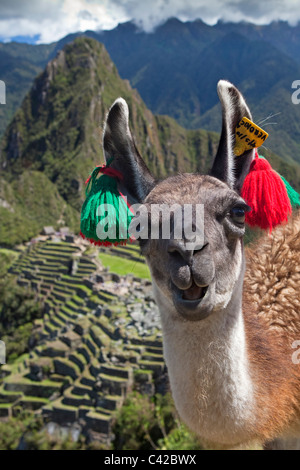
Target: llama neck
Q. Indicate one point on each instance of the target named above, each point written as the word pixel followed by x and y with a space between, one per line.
pixel 209 370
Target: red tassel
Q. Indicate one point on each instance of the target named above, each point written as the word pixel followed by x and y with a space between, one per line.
pixel 106 170
pixel 107 244
pixel 266 194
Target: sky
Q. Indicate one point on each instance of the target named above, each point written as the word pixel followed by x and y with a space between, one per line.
pixel 45 21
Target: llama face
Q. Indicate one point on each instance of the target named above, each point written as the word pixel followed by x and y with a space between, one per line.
pixel 193 282
pixel 197 281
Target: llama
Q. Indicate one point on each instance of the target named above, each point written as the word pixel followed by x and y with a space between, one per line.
pixel 228 331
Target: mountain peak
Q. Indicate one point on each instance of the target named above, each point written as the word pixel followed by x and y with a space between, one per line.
pixel 127 27
pixel 57 108
pixel 172 25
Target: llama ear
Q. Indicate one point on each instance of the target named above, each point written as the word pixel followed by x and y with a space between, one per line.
pixel 227 167
pixel 120 150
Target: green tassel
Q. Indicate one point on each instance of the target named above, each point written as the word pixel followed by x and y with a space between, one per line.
pixel 113 222
pixel 293 195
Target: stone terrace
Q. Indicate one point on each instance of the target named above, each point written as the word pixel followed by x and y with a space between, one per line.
pixel 98 339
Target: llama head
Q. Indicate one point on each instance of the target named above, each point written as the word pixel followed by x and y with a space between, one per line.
pixel 192 278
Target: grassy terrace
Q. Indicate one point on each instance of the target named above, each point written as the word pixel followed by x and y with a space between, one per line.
pixel 124 266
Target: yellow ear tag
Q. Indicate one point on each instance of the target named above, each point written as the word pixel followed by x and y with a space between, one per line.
pixel 248 136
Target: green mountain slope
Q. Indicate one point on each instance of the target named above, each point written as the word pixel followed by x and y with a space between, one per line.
pixel 19 65
pixel 29 203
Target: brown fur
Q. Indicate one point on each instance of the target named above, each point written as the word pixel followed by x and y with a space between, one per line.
pixel 272 319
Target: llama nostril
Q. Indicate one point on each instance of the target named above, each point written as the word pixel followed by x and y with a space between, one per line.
pixel 177 249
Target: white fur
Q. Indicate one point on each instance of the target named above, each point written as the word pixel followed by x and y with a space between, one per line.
pixel 223 294
pixel 208 370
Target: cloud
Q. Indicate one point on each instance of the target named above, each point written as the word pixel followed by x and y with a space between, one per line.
pixel 149 14
pixel 35 9
pixel 51 20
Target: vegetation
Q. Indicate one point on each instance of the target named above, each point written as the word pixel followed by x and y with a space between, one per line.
pixel 18 305
pixel 7 257
pixel 18 309
pixel 123 266
pixel 27 432
pixel 34 202
pixel 145 423
pixel 12 431
pixel 19 65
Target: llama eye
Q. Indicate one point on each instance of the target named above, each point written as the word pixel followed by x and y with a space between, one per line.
pixel 238 215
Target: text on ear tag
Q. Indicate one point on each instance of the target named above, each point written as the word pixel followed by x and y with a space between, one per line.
pixel 248 136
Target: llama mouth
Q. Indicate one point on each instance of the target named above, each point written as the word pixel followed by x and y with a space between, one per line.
pixel 195 303
pixel 194 292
